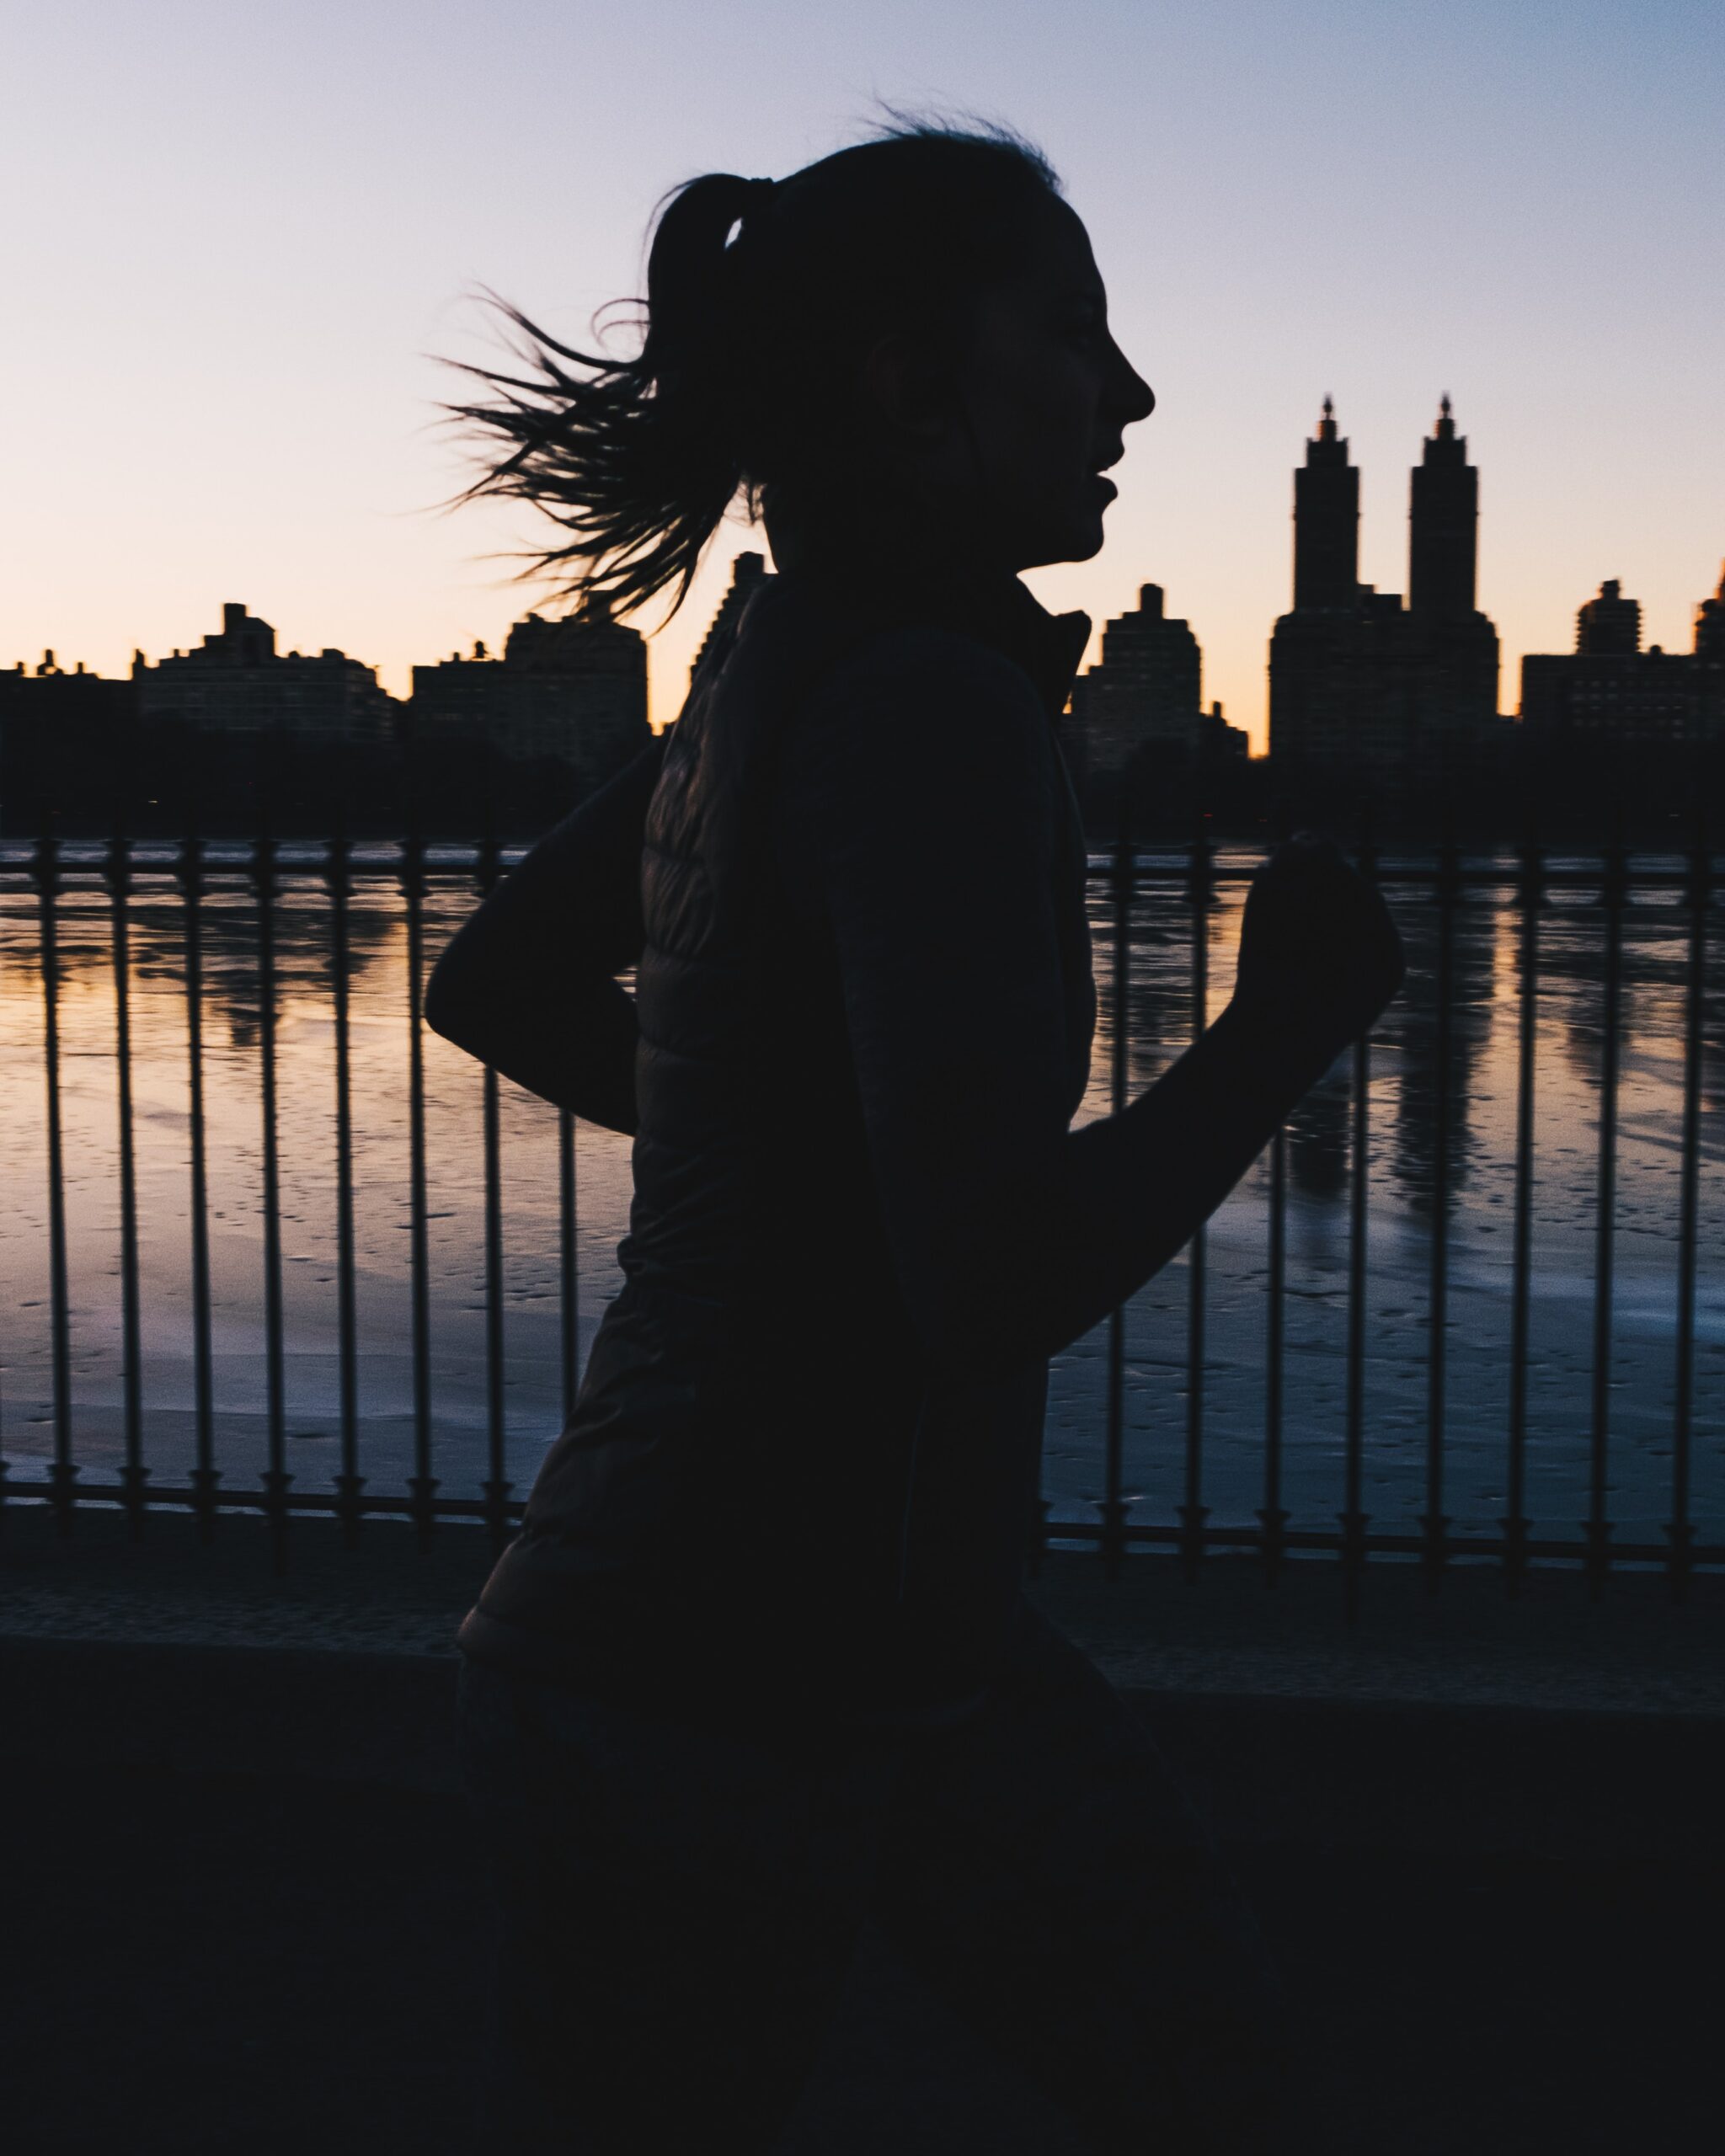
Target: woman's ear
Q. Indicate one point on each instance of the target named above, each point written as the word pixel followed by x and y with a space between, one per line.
pixel 907 389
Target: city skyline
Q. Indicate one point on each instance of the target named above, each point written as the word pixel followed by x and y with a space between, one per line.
pixel 1437 583
pixel 250 238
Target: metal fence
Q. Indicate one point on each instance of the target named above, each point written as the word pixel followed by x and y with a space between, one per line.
pixel 47 870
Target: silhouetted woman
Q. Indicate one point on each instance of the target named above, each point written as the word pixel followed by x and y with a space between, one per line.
pixel 760 1660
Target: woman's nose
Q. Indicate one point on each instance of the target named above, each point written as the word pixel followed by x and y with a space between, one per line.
pixel 1130 393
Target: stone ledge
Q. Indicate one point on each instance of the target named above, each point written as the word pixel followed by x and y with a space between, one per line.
pixel 1150 1629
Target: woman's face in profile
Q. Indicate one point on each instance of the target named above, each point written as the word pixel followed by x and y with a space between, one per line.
pixel 1044 397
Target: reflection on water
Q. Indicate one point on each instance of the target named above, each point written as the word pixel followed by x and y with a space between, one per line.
pixel 1478 1051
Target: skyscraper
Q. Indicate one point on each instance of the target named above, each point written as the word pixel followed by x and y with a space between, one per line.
pixel 1443 515
pixel 1325 522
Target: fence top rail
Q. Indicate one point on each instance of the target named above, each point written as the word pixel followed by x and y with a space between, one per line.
pixel 92 860
pixel 24 862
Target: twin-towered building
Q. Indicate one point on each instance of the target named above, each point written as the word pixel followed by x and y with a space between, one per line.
pixel 1359 678
pixel 1362 683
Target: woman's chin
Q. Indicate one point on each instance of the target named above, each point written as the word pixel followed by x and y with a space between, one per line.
pixel 1087 537
pixel 1079 541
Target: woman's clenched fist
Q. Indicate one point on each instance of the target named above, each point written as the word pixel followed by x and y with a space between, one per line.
pixel 1319 954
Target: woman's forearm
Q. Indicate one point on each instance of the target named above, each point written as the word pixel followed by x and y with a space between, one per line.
pixel 1048 1244
pixel 576 1049
pixel 1134 1187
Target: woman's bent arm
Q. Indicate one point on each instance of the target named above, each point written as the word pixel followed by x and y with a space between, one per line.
pixel 921 811
pixel 528 983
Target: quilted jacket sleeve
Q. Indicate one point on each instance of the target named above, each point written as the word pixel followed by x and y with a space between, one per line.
pixel 529 982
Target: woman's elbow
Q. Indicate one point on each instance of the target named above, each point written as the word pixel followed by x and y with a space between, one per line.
pixel 454 1003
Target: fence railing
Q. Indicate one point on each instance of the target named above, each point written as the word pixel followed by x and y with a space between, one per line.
pixel 48 873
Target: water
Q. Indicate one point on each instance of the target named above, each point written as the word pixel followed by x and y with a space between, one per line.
pixel 1483 1079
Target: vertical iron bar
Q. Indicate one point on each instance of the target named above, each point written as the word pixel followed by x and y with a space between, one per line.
pixel 1433 1521
pixel 5 1463
pixel 1598 1526
pixel 422 1485
pixel 206 1475
pixel 63 1475
pixel 1353 1517
pixel 349 1483
pixel 1272 1514
pixel 276 1477
pixel 1113 1505
pixel 135 1474
pixel 496 1486
pixel 1193 1511
pixel 571 1281
pixel 1517 1526
pixel 1681 1528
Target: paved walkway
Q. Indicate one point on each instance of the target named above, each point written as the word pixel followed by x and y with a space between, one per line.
pixel 242 1914
pixel 1151 1629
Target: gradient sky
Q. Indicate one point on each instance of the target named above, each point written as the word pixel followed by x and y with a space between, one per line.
pixel 235 236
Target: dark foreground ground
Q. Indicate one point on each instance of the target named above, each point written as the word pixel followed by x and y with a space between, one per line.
pixel 211 1963
pixel 243 1912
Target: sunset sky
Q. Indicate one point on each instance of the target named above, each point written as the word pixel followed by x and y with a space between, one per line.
pixel 236 238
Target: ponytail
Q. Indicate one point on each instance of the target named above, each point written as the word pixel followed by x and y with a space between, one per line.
pixel 635 460
pixel 756 291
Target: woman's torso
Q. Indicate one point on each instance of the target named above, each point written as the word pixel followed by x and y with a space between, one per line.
pixel 766 1485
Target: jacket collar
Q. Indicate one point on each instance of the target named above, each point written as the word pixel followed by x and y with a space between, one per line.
pixel 998 610
pixel 1049 647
